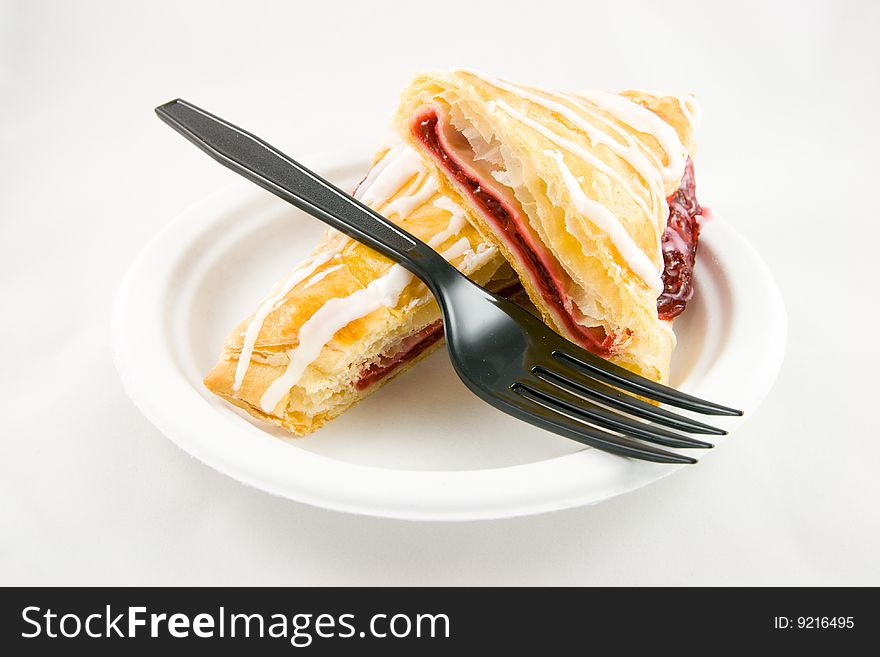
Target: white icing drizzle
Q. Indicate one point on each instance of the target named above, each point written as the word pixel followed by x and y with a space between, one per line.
pixel 575 149
pixel 474 260
pixel 425 187
pixel 579 151
pixel 458 249
pixel 471 260
pixel 320 328
pixel 320 276
pixel 377 169
pixel 631 152
pixel 605 220
pixel 388 175
pixel 398 165
pixel 643 120
pixel 663 173
pixel 253 329
pixel 456 221
pixel 643 160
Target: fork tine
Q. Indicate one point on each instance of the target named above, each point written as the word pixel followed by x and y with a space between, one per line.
pixel 532 409
pixel 592 365
pixel 605 394
pixel 604 419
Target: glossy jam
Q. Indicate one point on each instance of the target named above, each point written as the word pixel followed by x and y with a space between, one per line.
pixel 426 128
pixel 409 348
pixel 680 241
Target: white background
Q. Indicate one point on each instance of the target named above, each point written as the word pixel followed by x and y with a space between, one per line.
pixel 91 493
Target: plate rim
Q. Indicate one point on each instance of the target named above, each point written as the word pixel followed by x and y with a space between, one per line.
pixel 132 340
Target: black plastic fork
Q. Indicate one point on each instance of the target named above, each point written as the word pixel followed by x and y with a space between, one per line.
pixel 503 353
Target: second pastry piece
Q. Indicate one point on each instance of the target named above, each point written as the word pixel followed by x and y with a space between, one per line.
pixel 573 189
pixel 348 319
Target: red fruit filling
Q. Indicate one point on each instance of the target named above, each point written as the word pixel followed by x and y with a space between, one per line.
pixel 680 247
pixel 679 239
pixel 410 347
pixel 545 277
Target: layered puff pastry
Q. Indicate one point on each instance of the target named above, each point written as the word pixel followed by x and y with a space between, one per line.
pixel 348 319
pixel 589 196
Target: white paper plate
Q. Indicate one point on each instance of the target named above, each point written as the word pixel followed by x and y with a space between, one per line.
pixel 422 447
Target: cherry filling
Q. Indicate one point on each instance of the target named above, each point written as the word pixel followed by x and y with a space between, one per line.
pixel 410 347
pixel 426 128
pixel 679 240
pixel 680 247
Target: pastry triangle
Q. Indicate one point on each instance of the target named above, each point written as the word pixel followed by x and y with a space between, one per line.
pixel 588 195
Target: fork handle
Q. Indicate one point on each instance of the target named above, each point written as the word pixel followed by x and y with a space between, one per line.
pixel 271 169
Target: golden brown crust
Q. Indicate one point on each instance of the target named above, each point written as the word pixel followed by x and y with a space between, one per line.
pixel 339 268
pixel 297 421
pixel 681 112
pixel 529 145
